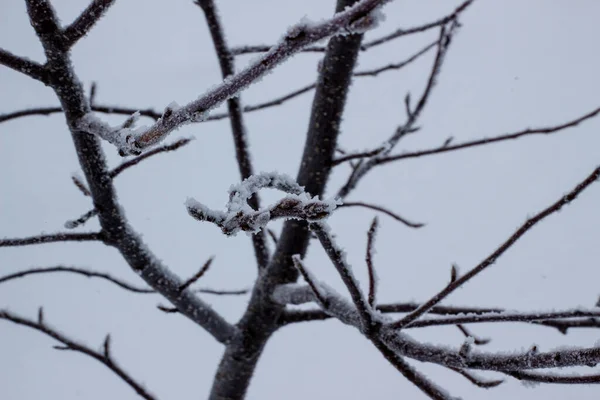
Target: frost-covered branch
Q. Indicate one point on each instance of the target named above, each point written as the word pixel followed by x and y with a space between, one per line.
pixel 24 66
pixel 105 356
pixel 239 216
pixel 53 238
pixel 236 118
pixel 240 50
pixel 299 36
pixel 491 259
pixel 555 378
pixel 115 227
pixel 85 21
pixel 373 279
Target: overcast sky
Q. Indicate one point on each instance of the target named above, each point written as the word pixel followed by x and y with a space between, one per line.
pixel 514 64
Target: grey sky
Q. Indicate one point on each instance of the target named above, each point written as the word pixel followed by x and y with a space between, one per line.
pixel 513 65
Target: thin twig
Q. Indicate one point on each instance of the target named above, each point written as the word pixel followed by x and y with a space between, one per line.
pixel 376 71
pixel 477 381
pixel 369 260
pixel 78 182
pixel 52 238
pixel 482 142
pixel 468 334
pixel 197 275
pixel 85 21
pixel 550 378
pixel 491 259
pixel 161 149
pixel 74 223
pixel 309 280
pixel 383 210
pixel 70 344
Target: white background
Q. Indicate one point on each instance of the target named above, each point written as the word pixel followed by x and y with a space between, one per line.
pixel 513 65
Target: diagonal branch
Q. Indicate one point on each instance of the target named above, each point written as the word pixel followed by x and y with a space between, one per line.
pixel 85 21
pixel 491 259
pixel 236 118
pixel 482 142
pixel 553 378
pixel 53 238
pixel 24 66
pixel 297 37
pixel 104 357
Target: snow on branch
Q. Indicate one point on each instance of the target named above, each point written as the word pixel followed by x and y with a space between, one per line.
pixel 239 216
pixel 297 37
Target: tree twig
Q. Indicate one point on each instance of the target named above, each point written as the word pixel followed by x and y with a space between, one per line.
pixel 53 238
pixel 491 259
pixel 369 260
pixel 24 66
pixel 70 344
pixel 197 275
pixel 382 210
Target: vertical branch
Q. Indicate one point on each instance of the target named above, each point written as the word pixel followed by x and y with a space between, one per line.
pixel 261 317
pixel 369 260
pixel 240 137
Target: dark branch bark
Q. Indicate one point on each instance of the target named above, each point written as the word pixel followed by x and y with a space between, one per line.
pixel 53 238
pixel 236 118
pixel 261 317
pixel 86 20
pixel 24 66
pixel 112 220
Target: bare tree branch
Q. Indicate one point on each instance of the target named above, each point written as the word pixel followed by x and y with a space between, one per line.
pixel 551 378
pixel 369 260
pixel 486 141
pixel 367 45
pixel 122 284
pixel 70 344
pixel 24 66
pixel 85 21
pixel 383 210
pixel 197 275
pixel 53 238
pixel 491 259
pixel 157 150
pixel 395 66
pixel 477 381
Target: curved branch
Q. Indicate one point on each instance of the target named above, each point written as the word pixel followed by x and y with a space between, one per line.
pixel 383 210
pixel 53 238
pixel 120 283
pixel 551 378
pixel 70 344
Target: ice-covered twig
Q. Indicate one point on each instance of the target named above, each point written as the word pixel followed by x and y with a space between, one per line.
pixel 298 37
pixel 197 275
pixel 491 259
pixel 476 380
pixel 103 357
pixel 239 216
pixel 554 378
